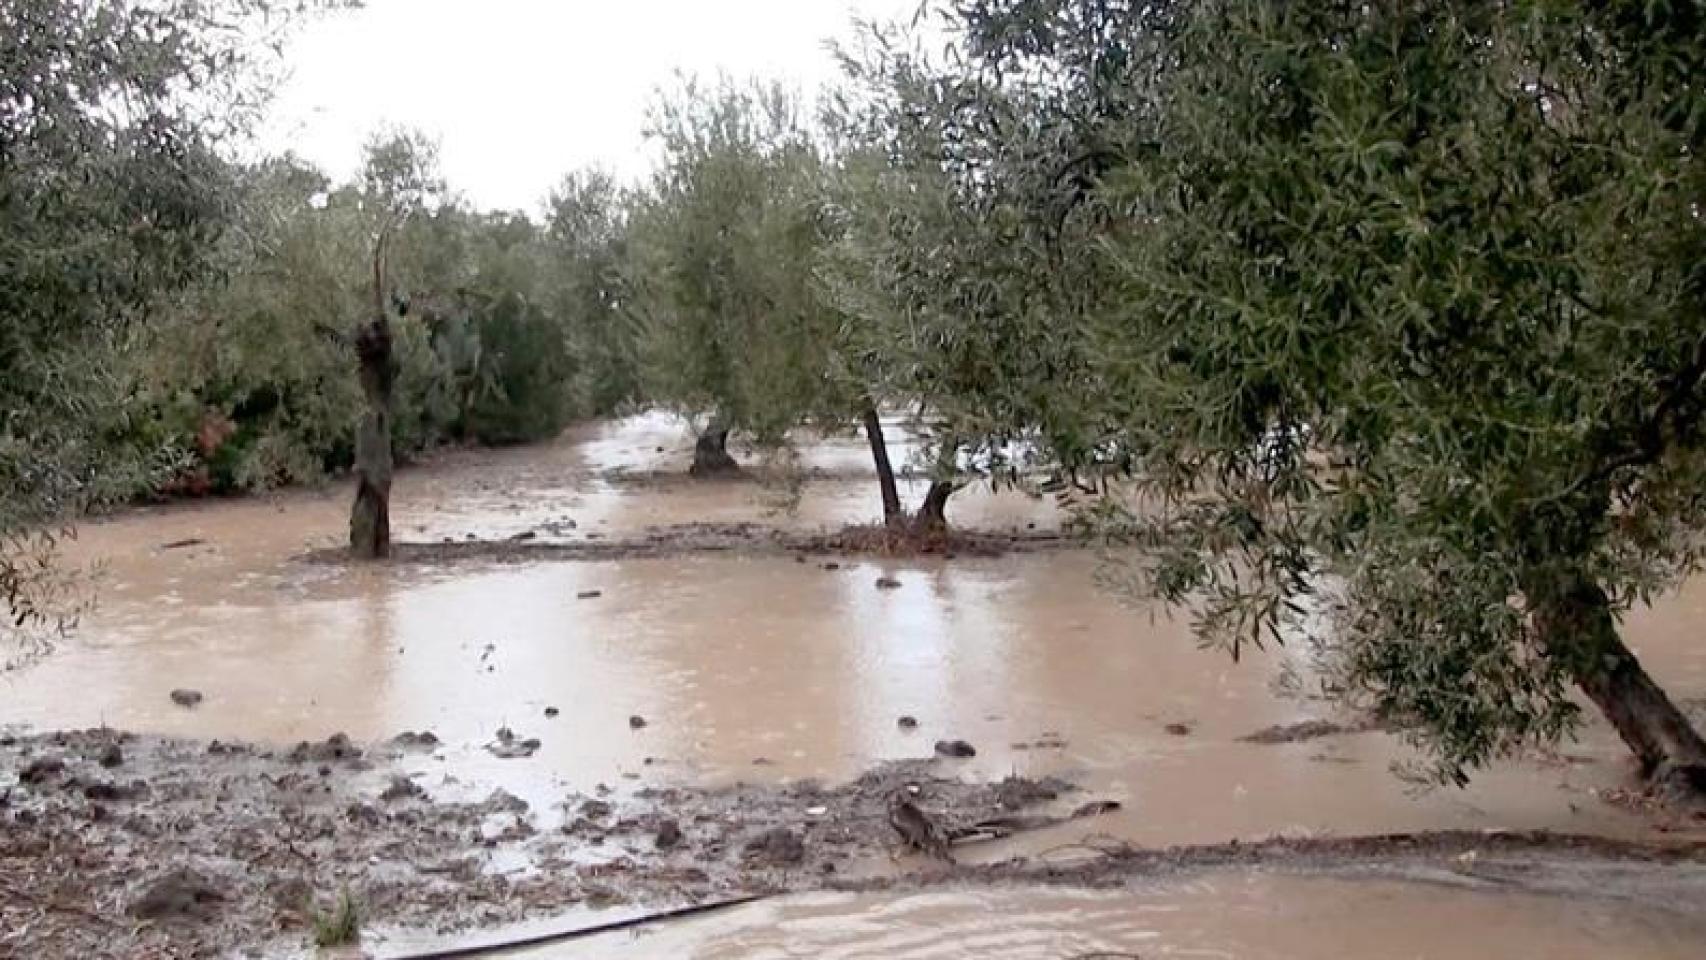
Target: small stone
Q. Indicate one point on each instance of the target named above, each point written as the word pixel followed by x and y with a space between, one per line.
pixel 636 722
pixel 958 749
pixel 1178 729
pixel 888 583
pixel 668 835
pixel 551 711
pixel 907 723
pixel 832 565
pixel 186 698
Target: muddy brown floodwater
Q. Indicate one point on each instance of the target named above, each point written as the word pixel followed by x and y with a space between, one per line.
pixel 767 668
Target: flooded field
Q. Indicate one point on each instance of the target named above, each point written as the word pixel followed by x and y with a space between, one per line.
pixel 769 669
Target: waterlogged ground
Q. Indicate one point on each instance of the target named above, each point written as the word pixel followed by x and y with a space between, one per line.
pixel 766 666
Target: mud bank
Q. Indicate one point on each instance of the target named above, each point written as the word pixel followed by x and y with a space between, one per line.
pixel 740 539
pixel 117 845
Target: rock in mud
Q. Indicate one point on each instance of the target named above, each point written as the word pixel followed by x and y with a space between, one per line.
pixel 41 770
pixel 111 755
pixel 668 836
pixel 888 583
pixel 179 895
pixel 1178 729
pixel 958 749
pixel 636 722
pixel 777 846
pixel 907 723
pixel 510 747
pixel 116 792
pixel 186 698
pixel 335 748
pixel 402 788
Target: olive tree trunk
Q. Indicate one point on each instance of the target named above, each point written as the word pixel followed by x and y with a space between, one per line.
pixel 932 515
pixel 1578 629
pixel 711 453
pixel 370 516
pixel 892 511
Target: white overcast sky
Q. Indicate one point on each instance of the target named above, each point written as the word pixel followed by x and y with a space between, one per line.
pixel 519 92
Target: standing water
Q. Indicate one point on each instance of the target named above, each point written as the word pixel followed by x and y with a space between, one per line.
pixel 767 668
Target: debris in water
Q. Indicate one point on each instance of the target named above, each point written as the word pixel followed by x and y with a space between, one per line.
pixel 186 698
pixel 955 748
pixel 1303 730
pixel 409 740
pixel 1096 808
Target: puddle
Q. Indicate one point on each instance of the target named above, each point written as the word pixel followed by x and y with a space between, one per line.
pixel 1270 917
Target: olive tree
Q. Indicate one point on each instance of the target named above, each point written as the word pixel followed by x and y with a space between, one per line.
pixel 964 255
pixel 720 268
pixel 1408 350
pixel 399 179
pixel 110 193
